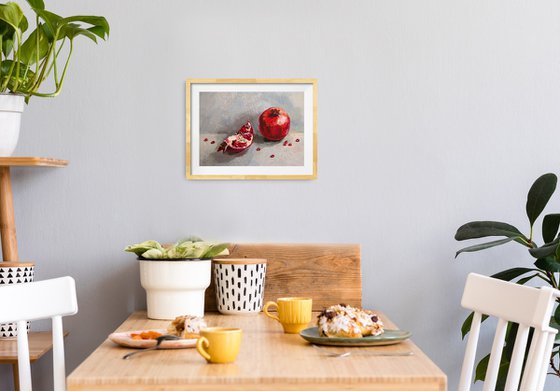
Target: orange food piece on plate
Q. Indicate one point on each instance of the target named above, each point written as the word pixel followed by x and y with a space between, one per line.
pixel 145 335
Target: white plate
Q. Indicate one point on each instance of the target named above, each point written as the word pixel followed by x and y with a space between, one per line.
pixel 125 339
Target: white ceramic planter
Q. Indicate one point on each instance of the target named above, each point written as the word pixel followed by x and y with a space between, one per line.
pixel 175 287
pixel 11 107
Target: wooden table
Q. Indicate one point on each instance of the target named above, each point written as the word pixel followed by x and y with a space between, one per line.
pixel 269 359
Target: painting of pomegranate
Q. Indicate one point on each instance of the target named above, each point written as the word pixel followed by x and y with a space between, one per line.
pixel 251 128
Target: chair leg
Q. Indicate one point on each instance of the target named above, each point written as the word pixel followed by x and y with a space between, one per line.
pixel 15 375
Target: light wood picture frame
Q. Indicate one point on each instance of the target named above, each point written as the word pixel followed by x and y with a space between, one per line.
pixel 251 129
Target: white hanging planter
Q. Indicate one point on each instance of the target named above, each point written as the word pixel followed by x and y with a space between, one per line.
pixel 176 287
pixel 11 107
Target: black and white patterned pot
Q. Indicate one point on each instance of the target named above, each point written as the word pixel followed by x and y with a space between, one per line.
pixel 14 273
pixel 239 285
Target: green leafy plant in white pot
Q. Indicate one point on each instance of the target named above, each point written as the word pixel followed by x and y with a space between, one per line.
pixel 176 277
pixel 30 57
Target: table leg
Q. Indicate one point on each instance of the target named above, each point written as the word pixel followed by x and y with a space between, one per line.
pixel 15 374
pixel 7 219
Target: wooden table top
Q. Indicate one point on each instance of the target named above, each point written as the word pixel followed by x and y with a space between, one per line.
pixel 268 359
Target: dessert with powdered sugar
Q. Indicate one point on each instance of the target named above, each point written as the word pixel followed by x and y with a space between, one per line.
pixel 342 320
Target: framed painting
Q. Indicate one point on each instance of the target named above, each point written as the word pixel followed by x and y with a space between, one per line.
pixel 251 129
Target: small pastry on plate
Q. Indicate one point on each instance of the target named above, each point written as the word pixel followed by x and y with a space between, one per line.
pixel 186 326
pixel 342 320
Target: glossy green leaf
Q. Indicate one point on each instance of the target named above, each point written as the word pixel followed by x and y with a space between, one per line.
pixel 483 246
pixel 52 23
pixel 101 24
pixel 550 226
pixel 39 4
pixel 556 318
pixel 467 323
pixel 539 195
pixel 523 281
pixel 545 251
pixel 481 229
pixel 72 30
pixel 29 47
pixel 510 274
pixel 550 264
pixel 12 14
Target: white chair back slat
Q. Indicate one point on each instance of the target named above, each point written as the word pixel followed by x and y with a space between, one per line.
pixel 509 302
pixel 545 362
pixel 495 356
pixel 59 371
pixel 470 353
pixel 514 373
pixel 53 299
pixel 24 365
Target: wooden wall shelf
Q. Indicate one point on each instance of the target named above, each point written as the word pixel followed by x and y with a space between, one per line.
pixel 7 219
pixel 32 161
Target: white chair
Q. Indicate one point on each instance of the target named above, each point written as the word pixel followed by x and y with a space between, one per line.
pixel 510 302
pixel 39 300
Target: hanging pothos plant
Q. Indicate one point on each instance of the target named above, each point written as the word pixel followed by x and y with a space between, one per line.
pixel 545 266
pixel 28 58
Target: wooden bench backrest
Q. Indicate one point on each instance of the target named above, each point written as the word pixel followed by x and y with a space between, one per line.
pixel 328 273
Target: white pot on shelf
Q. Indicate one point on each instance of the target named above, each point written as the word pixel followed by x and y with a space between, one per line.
pixel 175 287
pixel 11 107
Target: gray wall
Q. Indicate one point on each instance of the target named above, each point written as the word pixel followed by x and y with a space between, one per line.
pixel 431 114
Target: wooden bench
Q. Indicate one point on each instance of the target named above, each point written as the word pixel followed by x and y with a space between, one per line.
pixel 328 273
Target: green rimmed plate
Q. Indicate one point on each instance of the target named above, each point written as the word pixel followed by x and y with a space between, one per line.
pixel 389 337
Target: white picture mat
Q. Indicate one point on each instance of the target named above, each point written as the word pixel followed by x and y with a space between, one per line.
pixel 309 142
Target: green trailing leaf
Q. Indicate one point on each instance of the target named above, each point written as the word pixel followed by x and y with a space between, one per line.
pixel 37 42
pixel 556 319
pixel 546 250
pixel 12 14
pixel 72 30
pixel 98 22
pixel 39 4
pixel 549 264
pixel 539 195
pixel 550 226
pixel 481 229
pixel 483 246
pixel 42 48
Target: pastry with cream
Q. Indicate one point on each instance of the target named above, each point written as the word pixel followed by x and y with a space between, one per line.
pixel 342 320
pixel 187 326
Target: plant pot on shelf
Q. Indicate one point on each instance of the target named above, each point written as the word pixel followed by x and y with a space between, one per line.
pixel 175 287
pixel 14 273
pixel 11 107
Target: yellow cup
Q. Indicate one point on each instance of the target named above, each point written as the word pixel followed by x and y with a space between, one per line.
pixel 294 313
pixel 219 345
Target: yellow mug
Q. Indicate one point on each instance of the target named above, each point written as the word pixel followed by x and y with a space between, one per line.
pixel 294 313
pixel 219 345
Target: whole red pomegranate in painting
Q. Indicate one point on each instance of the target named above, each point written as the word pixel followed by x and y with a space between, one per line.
pixel 274 123
pixel 239 141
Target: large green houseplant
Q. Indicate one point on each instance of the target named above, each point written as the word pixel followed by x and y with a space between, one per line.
pixel 30 57
pixel 545 263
